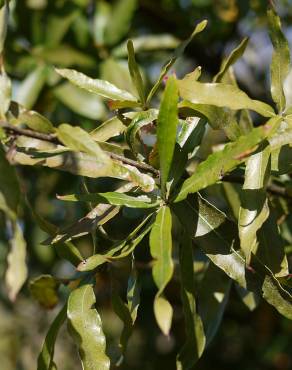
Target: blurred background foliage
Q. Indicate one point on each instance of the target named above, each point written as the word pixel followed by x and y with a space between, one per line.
pixel 90 36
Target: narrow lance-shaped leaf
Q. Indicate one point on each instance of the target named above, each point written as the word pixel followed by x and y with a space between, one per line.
pixel 167 130
pixel 195 336
pixel 116 199
pixel 222 162
pixel 280 60
pixel 100 87
pixel 177 53
pixel 77 139
pixel 135 72
pixel 162 271
pixel 9 187
pixel 120 250
pixel 254 208
pixel 119 21
pixel 28 91
pixel 46 356
pixel 5 93
pixel 4 15
pixel 217 237
pixel 85 327
pixel 221 95
pixel 35 121
pixel 218 118
pixel 16 273
pixel 231 59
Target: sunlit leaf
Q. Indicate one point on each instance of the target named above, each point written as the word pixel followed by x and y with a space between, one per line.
pixel 116 199
pixel 85 327
pixel 222 162
pixel 135 72
pixel 221 95
pixel 4 15
pixel 231 59
pixel 280 60
pixel 28 91
pixel 16 272
pixel 19 115
pixel 177 53
pixel 166 130
pixel 80 101
pixel 100 87
pixel 148 43
pixel 5 92
pixel 77 139
pixel 218 118
pixel 121 249
pixel 254 208
pixel 162 271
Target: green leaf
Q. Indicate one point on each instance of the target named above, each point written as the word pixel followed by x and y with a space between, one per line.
pixel 100 87
pixel 195 336
pixel 280 60
pixel 231 59
pixel 122 311
pixel 221 95
pixel 222 162
pixel 135 72
pixel 134 136
pixel 100 21
pixel 116 199
pixel 77 139
pixel 4 16
pixel 63 56
pixel 67 251
pixel 44 290
pixel 218 118
pixel 177 53
pixel 123 248
pixel 166 130
pixel 46 356
pixel 162 271
pixel 148 43
pixel 58 26
pixel 29 90
pixel 133 295
pixel 5 92
pixel 120 21
pixel 39 152
pixel 80 101
pixel 117 73
pixel 271 247
pixel 217 237
pixel 16 272
pixel 19 115
pixel 213 297
pixel 85 327
pixel 9 187
pixel 254 209
pixel 108 129
pixel 250 299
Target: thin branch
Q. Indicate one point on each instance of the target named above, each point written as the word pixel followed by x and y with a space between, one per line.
pixel 52 138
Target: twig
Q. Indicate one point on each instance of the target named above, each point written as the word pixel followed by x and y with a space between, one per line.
pixel 29 133
pixel 52 138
